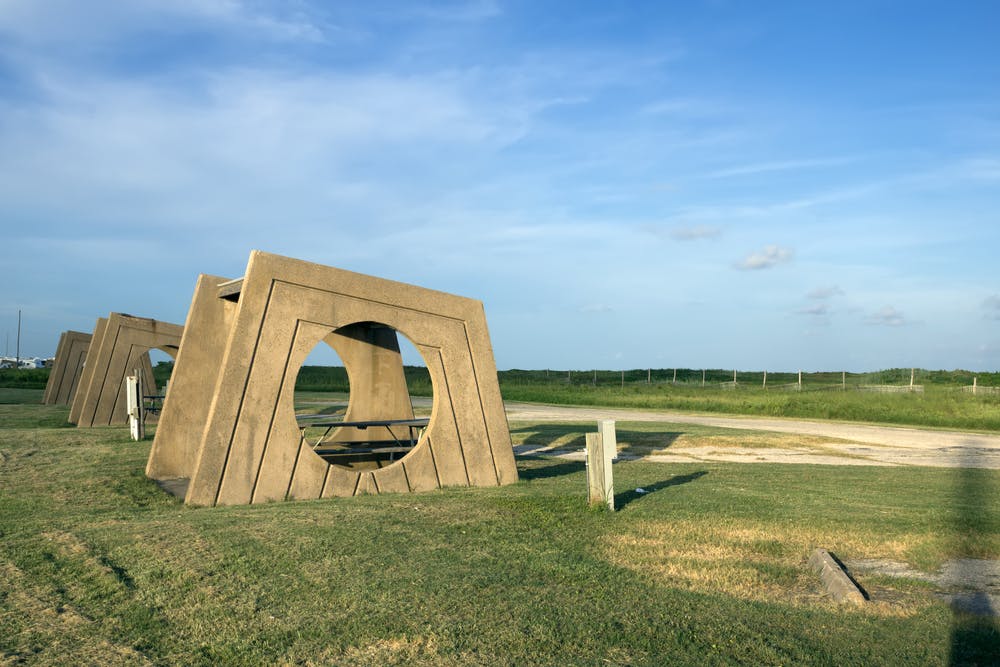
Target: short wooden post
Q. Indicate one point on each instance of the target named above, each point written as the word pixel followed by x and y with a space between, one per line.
pixel 912 373
pixel 703 377
pixel 595 377
pixel 734 376
pixel 133 395
pixel 649 376
pixel 843 380
pixel 800 379
pixel 974 378
pixel 675 377
pixel 601 449
pixel 623 379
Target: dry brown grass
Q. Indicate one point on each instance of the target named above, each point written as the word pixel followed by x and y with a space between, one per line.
pixel 751 562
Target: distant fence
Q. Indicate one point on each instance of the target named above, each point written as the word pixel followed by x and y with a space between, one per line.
pixel 973 389
pixel 892 388
pixel 890 381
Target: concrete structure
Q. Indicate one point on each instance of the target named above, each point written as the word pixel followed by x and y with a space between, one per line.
pixel 228 432
pixel 120 344
pixel 67 368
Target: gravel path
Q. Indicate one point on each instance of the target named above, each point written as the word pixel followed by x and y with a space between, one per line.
pixel 857 444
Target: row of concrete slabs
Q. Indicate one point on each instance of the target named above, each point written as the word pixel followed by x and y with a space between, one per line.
pixel 228 434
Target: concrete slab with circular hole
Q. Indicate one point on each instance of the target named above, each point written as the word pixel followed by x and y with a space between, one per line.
pixel 228 433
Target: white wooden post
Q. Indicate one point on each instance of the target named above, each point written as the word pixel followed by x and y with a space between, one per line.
pixel 765 379
pixel 601 449
pixel 912 371
pixel 675 377
pixel 133 390
pixel 649 376
pixel 703 377
pixel 843 380
pixel 974 378
pixel 734 376
pixel 800 379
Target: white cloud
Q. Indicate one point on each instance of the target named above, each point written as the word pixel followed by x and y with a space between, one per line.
pixel 766 258
pixel 886 316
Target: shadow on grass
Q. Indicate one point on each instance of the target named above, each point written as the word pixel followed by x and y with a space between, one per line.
pixel 574 437
pixel 529 470
pixel 625 497
pixel 975 636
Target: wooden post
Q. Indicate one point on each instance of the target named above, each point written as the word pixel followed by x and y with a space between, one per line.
pixel 974 378
pixel 765 378
pixel 703 377
pixel 595 377
pixel 734 376
pixel 569 377
pixel 649 376
pixel 623 379
pixel 800 379
pixel 675 377
pixel 912 373
pixel 843 380
pixel 601 448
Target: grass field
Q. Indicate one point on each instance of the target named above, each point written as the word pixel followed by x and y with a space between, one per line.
pixel 99 566
pixel 937 407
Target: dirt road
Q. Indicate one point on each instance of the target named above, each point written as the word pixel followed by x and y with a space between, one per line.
pixel 842 443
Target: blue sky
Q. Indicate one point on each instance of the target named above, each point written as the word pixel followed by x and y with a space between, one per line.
pixel 766 185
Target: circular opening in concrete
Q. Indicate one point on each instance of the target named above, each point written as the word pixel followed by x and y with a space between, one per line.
pixel 370 419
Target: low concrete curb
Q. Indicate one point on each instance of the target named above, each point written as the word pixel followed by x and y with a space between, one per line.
pixel 836 580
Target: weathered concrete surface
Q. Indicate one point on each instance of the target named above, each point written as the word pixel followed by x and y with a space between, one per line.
pixel 120 344
pixel 71 354
pixel 260 328
pixel 836 581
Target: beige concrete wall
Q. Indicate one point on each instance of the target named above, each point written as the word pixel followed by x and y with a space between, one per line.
pixel 371 356
pixel 192 383
pixel 87 377
pixel 55 375
pixel 124 347
pixel 67 369
pixel 250 451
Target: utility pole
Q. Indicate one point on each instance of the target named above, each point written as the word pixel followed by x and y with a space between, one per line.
pixel 17 356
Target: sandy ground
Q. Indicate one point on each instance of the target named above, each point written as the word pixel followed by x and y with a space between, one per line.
pixel 848 444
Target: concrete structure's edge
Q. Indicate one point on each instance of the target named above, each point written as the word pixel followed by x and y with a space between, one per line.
pixel 835 579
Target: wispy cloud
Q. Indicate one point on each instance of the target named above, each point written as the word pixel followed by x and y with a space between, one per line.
pixel 475 10
pixel 822 293
pixel 784 165
pixel 695 232
pixel 770 256
pixel 596 308
pixel 886 316
pixel 818 310
pixel 991 305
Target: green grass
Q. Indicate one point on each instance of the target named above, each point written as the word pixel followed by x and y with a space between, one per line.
pixel 99 566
